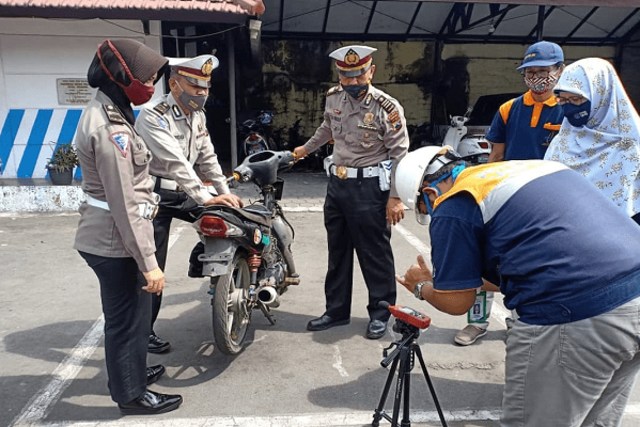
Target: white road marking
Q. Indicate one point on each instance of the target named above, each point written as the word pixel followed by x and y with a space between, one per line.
pixel 337 358
pixel 39 406
pixel 41 403
pixel 414 241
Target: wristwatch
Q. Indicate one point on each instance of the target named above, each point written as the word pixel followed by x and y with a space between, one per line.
pixel 417 291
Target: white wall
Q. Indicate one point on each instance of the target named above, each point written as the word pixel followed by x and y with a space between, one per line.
pixel 34 53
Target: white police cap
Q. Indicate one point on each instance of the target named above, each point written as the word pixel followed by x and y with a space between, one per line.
pixel 196 70
pixel 354 60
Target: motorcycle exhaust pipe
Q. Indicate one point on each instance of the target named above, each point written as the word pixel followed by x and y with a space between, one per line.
pixel 269 296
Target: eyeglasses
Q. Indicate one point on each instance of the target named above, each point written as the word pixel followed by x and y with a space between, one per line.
pixel 575 100
pixel 537 73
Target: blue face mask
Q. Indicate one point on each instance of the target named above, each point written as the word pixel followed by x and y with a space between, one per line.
pixel 356 91
pixel 577 115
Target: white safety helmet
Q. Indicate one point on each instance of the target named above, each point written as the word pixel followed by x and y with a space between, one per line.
pixel 414 167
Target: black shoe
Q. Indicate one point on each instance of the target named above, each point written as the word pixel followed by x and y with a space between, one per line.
pixel 325 322
pixel 154 373
pixel 151 403
pixel 376 329
pixel 157 344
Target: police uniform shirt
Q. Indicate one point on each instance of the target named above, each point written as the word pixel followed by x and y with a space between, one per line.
pixel 115 169
pixel 182 148
pixel 365 132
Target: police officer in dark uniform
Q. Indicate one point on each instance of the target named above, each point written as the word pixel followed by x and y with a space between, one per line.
pixel 370 136
pixel 175 130
pixel 115 232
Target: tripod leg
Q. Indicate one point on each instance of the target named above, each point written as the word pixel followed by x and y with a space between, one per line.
pixel 406 422
pixel 403 375
pixel 416 350
pixel 379 412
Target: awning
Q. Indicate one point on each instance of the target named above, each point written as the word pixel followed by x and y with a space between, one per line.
pixel 221 11
pixel 580 22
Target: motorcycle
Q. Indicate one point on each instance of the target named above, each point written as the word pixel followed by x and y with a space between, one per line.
pixel 247 251
pixel 255 134
pixel 467 141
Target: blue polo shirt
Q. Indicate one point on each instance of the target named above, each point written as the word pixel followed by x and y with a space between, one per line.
pixel 558 249
pixel 525 126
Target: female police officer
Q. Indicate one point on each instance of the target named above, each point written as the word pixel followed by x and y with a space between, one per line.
pixel 115 233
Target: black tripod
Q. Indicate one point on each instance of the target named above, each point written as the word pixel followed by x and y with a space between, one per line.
pixel 404 353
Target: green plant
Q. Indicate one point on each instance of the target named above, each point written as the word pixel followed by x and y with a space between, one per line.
pixel 64 158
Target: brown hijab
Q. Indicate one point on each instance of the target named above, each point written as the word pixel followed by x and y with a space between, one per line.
pixel 120 68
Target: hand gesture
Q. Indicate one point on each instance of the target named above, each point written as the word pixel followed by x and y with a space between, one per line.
pixel 416 273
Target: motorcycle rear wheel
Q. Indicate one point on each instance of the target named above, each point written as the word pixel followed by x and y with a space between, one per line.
pixel 231 316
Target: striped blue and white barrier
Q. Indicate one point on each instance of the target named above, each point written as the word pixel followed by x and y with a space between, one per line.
pixel 29 136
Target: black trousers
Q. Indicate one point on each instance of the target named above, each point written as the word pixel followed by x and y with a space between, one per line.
pixel 173 204
pixel 355 219
pixel 127 313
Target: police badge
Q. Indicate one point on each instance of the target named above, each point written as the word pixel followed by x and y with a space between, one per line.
pixel 368 118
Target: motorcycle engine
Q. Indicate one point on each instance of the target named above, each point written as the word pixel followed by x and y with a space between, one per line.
pixel 274 263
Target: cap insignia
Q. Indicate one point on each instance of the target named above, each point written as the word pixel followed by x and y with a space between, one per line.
pixel 352 57
pixel 207 67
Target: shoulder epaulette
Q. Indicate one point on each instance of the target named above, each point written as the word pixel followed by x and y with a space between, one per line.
pixel 162 107
pixel 386 104
pixel 333 90
pixel 113 114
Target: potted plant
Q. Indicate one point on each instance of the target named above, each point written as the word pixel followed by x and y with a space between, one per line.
pixel 61 164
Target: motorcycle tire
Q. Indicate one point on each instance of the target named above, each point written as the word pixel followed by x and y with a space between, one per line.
pixel 231 315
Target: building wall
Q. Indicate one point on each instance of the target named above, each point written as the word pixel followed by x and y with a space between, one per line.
pixel 297 74
pixel 34 53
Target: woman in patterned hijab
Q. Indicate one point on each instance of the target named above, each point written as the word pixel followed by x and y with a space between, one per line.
pixel 600 135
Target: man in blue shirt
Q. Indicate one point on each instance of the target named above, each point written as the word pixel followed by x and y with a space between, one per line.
pixel 565 258
pixel 522 130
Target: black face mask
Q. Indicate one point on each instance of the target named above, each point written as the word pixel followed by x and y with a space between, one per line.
pixel 577 115
pixel 356 91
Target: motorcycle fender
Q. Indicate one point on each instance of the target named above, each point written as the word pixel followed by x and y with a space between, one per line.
pixel 217 257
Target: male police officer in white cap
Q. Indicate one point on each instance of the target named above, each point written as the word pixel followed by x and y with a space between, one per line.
pixel 175 129
pixel 370 135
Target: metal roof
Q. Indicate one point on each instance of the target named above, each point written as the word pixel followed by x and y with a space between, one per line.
pixel 483 21
pixel 222 11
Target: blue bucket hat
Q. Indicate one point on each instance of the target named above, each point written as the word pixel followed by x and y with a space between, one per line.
pixel 542 54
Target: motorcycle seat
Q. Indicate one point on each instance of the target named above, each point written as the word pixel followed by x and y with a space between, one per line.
pixel 254 213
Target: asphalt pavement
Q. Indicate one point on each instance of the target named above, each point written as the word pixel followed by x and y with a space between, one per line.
pixel 52 370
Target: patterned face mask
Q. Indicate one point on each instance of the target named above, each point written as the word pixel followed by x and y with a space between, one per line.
pixel 540 85
pixel 192 103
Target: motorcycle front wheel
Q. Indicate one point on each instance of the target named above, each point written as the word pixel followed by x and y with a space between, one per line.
pixel 231 316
